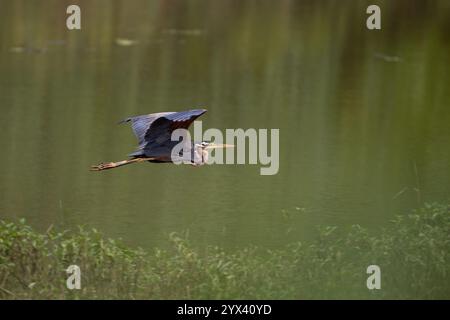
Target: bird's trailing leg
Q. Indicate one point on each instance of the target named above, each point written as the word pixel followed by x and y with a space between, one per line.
pixel 112 165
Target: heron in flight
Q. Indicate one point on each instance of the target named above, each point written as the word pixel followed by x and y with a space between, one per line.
pixel 154 132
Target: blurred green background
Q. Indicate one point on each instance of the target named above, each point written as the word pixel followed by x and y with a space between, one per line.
pixel 364 116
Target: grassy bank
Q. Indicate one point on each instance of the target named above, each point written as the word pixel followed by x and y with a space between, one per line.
pixel 413 253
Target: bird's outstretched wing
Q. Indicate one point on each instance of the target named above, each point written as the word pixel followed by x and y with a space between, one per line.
pixel 140 124
pixel 156 128
pixel 160 130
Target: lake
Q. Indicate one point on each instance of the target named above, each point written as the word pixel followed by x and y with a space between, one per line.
pixel 364 115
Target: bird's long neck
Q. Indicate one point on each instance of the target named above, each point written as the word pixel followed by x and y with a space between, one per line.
pixel 205 156
pixel 200 156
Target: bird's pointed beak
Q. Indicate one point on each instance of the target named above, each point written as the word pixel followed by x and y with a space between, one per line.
pixel 219 146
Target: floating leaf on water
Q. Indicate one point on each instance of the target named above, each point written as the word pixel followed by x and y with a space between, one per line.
pixel 18 49
pixel 124 42
pixel 387 58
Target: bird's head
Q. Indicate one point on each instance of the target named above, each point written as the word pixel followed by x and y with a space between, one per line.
pixel 200 154
pixel 205 145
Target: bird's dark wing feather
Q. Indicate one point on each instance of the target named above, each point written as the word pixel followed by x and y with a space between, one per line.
pixel 160 130
pixel 141 124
